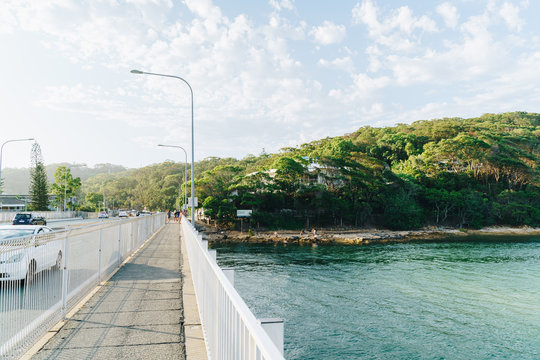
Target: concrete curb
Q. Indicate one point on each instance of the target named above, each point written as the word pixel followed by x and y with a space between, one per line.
pixel 194 337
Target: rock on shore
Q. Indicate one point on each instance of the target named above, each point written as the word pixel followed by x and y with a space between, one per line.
pixel 361 236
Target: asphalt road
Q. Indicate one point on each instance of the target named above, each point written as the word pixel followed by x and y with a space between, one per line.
pixel 20 304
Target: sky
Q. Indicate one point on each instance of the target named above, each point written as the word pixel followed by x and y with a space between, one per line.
pixel 265 74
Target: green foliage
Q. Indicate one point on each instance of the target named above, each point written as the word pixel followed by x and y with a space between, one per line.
pixel 223 211
pixel 457 172
pixel 276 221
pixel 154 187
pixel 94 201
pixel 39 194
pixel 38 189
pixel 65 186
pixel 518 207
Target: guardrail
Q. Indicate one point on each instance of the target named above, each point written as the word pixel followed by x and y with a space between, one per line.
pixel 230 329
pixel 43 276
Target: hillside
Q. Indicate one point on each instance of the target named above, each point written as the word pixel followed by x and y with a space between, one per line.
pixel 17 180
pixel 452 171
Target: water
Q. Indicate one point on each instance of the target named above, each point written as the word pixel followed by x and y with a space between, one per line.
pixel 422 300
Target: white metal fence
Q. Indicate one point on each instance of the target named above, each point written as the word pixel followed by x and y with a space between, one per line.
pixel 231 331
pixel 56 270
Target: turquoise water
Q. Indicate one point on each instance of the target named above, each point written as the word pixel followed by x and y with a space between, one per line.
pixel 422 300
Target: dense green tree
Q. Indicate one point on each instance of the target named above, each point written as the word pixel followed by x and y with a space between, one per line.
pixel 39 195
pixel 94 201
pixel 65 186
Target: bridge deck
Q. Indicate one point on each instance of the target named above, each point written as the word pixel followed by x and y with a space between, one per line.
pixel 138 313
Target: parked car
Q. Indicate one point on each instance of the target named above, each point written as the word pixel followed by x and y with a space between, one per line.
pixel 103 215
pixel 122 213
pixel 27 250
pixel 28 219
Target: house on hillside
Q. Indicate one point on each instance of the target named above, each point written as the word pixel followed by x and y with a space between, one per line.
pixel 315 174
pixel 322 174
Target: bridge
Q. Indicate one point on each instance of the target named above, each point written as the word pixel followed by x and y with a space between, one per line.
pixel 130 288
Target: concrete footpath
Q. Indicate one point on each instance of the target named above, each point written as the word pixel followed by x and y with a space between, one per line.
pixel 138 313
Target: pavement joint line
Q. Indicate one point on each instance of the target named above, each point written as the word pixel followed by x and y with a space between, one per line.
pixel 58 326
pixel 124 345
pixel 132 327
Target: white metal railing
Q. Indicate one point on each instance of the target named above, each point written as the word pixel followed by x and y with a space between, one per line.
pixel 43 276
pixel 230 329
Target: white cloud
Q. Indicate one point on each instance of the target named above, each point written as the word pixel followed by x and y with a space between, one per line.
pixel 472 53
pixel 328 33
pixel 363 90
pixel 283 4
pixel 449 13
pixel 7 20
pixel 400 31
pixel 344 64
pixel 510 14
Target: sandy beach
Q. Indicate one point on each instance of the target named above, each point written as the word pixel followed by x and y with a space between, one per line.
pixel 362 236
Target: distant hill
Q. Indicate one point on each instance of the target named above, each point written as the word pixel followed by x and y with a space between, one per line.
pixel 17 181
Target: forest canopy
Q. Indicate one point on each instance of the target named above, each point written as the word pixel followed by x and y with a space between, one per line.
pixel 454 172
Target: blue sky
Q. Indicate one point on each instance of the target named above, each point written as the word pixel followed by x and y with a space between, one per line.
pixel 265 74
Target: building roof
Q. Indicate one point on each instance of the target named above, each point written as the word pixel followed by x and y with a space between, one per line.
pixel 11 201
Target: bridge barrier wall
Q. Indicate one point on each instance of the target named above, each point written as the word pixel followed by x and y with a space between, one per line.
pixel 66 266
pixel 7 216
pixel 230 329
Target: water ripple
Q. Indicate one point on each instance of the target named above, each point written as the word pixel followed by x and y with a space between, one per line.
pixel 443 300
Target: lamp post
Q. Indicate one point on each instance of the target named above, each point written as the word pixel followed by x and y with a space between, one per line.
pixel 2 149
pixel 65 189
pixel 185 168
pixel 192 139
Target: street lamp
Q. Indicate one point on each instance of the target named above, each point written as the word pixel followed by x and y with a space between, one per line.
pixel 65 189
pixel 192 139
pixel 185 168
pixel 2 149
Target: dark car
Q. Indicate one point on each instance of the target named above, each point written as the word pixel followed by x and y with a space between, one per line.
pixel 28 219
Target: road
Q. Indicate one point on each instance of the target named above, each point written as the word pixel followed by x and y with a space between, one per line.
pixel 20 304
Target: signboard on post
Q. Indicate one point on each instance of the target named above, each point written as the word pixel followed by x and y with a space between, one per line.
pixel 243 213
pixel 196 202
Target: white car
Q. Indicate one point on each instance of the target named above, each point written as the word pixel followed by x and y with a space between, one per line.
pixel 26 250
pixel 103 215
pixel 123 213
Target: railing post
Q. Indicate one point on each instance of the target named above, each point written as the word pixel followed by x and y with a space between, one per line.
pixel 99 252
pixel 65 274
pixel 229 273
pixel 213 254
pixel 119 242
pixel 131 237
pixel 274 329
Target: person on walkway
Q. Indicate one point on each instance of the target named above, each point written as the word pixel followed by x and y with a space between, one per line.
pixel 177 215
pixel 169 216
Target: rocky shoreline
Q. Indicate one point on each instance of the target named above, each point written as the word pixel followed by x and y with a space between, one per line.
pixel 361 236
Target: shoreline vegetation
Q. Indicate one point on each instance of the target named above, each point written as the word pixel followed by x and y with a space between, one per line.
pixel 451 172
pixel 364 236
